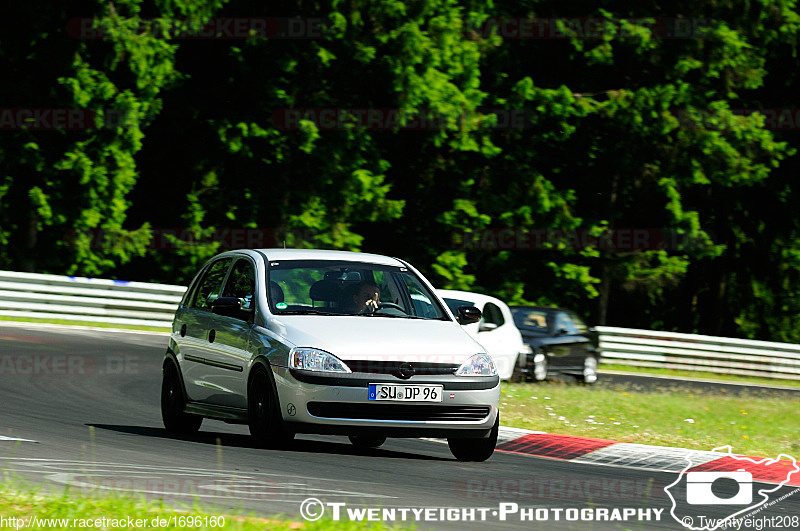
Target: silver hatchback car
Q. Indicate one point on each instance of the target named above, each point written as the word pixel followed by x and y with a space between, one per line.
pixel 309 341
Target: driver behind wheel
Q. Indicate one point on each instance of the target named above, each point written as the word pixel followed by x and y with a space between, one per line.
pixel 366 298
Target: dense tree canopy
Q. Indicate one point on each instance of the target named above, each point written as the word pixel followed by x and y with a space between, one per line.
pixel 635 162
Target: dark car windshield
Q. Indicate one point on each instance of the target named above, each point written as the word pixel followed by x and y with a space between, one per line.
pixel 533 319
pixel 327 287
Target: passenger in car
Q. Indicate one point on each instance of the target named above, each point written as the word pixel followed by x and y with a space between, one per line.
pixel 275 292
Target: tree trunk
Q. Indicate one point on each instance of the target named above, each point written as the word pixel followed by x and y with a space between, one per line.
pixel 605 286
pixel 31 235
pixel 607 257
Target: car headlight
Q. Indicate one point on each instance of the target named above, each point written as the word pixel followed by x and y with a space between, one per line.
pixel 477 365
pixel 314 359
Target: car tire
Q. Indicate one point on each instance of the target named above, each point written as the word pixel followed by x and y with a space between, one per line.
pixel 173 401
pixel 366 441
pixel 263 413
pixel 517 376
pixel 589 375
pixel 539 372
pixel 475 449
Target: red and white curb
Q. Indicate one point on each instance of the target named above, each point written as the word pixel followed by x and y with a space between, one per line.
pixel 641 456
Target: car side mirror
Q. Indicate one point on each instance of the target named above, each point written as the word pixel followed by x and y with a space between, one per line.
pixel 487 327
pixel 561 332
pixel 467 315
pixel 230 307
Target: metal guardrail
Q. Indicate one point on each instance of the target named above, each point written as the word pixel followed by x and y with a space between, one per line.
pixel 34 295
pixel 693 352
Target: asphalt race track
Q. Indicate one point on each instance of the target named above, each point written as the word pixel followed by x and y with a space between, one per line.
pixel 87 404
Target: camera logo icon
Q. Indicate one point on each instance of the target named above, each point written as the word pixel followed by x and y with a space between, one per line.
pixel 700 490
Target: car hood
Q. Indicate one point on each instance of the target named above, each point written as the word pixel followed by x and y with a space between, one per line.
pixel 379 338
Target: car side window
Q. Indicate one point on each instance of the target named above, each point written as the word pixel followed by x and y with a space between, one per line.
pixel 564 322
pixel 454 304
pixel 241 283
pixel 580 326
pixel 211 285
pixel 493 314
pixel 422 305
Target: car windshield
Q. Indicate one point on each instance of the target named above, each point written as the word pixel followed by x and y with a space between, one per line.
pixel 327 287
pixel 532 319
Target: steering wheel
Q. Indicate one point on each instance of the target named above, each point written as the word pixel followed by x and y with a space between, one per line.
pixel 392 305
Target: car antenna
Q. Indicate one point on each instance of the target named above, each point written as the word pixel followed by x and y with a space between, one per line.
pixel 284 244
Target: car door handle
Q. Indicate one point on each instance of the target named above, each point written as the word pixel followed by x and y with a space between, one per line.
pixel 212 335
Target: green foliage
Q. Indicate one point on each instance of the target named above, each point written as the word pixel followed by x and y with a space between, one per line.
pixel 66 200
pixel 450 265
pixel 588 135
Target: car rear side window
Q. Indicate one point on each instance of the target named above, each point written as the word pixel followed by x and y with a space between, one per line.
pixel 580 326
pixel 454 304
pixel 492 314
pixel 211 285
pixel 564 322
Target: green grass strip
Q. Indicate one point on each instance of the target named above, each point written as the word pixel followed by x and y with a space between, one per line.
pixel 26 507
pixel 758 422
pixel 69 322
pixel 702 375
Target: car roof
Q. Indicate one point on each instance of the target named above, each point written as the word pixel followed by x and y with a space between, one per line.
pixel 322 254
pixel 475 298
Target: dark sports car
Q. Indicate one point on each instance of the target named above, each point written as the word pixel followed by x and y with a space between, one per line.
pixel 560 342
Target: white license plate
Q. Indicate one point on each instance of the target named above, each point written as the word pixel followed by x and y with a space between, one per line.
pixel 405 393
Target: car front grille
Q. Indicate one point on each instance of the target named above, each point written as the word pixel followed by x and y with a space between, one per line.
pixel 393 367
pixel 345 410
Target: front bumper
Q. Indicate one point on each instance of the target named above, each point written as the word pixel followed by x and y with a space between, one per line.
pixel 571 365
pixel 315 403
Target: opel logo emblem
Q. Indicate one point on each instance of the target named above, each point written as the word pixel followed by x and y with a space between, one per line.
pixel 406 371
